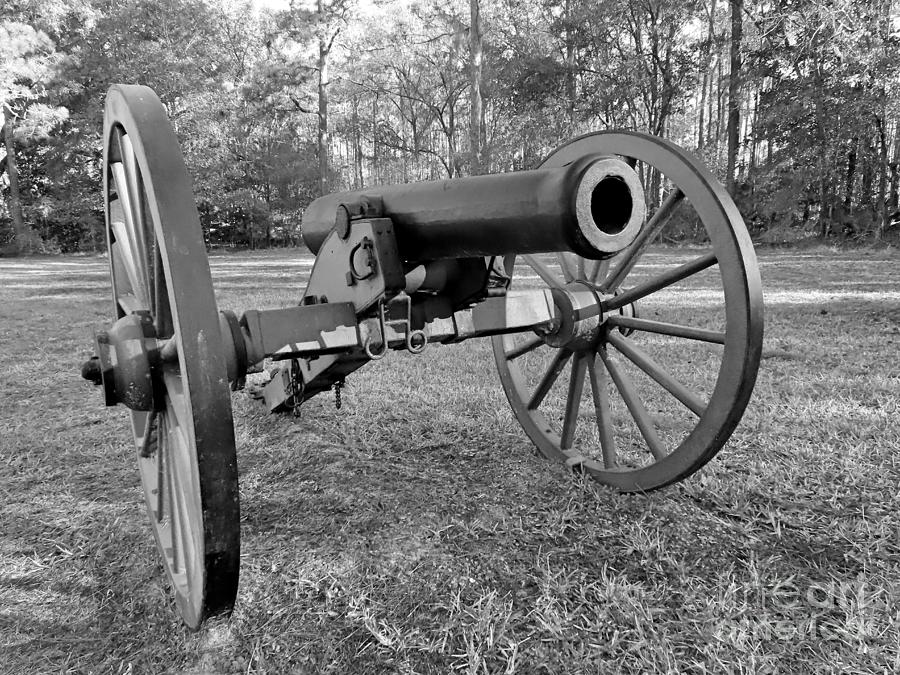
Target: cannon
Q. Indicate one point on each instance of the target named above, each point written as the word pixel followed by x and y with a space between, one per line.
pixel 545 263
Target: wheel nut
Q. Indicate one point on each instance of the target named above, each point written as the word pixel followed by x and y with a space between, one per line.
pixel 90 370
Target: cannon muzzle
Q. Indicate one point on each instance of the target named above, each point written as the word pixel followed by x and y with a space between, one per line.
pixel 593 207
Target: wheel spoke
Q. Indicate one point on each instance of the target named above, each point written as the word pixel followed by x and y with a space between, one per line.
pixel 660 282
pixel 121 280
pixel 128 263
pixel 180 414
pixel 543 271
pixel 580 268
pixel 663 328
pixel 126 233
pixel 124 264
pixel 604 413
pixel 174 524
pixel 156 278
pixel 186 548
pixel 643 361
pixel 629 394
pixel 599 270
pixel 636 249
pixel 559 362
pixel 147 420
pixel 162 313
pixel 129 303
pixel 162 445
pixel 168 350
pixel 573 401
pixel 136 192
pixel 178 471
pixel 529 345
pixel 182 489
pixel 566 265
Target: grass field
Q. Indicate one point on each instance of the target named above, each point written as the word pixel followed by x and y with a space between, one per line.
pixel 416 531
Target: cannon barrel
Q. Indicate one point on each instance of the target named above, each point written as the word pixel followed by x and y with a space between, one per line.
pixel 593 206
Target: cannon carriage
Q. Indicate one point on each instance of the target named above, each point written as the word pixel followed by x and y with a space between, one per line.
pixel 543 262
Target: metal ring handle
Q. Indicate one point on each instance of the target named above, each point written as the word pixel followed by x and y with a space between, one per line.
pixel 367 348
pixel 413 335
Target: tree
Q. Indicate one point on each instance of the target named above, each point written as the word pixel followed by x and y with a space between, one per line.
pixel 476 54
pixel 180 48
pixel 28 57
pixel 414 76
pixel 301 28
pixel 706 79
pixel 796 105
pixel 734 88
pixel 825 111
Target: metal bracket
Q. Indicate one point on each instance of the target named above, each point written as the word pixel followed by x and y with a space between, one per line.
pixel 367 345
pixel 363 266
pixel 367 207
pixel 498 280
pixel 415 340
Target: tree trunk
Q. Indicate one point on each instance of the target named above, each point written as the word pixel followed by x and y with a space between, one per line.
pixel 754 140
pixel 476 49
pixel 375 175
pixel 734 81
pixel 824 187
pixel 895 169
pixel 357 148
pixel 570 63
pixel 868 173
pixel 881 209
pixel 702 121
pixel 851 175
pixel 267 195
pixel 449 127
pixel 452 158
pixel 322 143
pixel 717 135
pixel 884 213
pixel 24 238
pixel 707 80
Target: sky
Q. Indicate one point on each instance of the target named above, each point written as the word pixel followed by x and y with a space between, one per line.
pixel 271 4
pixel 284 4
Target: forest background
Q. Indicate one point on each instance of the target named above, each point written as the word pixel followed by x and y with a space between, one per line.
pixel 794 104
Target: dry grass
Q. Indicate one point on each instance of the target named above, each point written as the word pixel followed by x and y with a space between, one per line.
pixel 415 531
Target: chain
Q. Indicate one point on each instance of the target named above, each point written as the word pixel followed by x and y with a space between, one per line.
pixel 337 394
pixel 297 387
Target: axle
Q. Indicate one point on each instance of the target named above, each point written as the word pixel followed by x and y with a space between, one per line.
pixel 593 206
pixel 130 357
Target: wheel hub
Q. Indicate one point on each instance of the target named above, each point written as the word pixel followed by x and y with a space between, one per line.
pixel 127 364
pixel 581 326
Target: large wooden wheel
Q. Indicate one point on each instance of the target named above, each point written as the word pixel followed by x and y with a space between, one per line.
pixel 159 270
pixel 670 351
